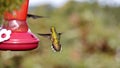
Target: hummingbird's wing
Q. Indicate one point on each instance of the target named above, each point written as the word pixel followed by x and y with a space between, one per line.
pixel 45 35
pixel 35 16
pixel 59 33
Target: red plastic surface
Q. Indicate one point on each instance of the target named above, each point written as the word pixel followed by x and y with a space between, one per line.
pixel 18 14
pixel 20 42
pixel 20 39
pixel 16 26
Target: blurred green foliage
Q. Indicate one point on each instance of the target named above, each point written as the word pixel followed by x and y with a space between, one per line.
pixel 8 5
pixel 90 38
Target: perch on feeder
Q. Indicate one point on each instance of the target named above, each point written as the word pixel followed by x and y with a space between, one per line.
pixel 14 34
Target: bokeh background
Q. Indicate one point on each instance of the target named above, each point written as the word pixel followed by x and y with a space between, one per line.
pixel 90 39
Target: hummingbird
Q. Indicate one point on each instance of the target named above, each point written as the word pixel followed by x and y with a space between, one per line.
pixel 35 16
pixel 55 39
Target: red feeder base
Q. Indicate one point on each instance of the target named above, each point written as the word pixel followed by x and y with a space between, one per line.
pixel 20 42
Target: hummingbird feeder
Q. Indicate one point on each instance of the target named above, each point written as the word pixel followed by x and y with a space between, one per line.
pixel 14 33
